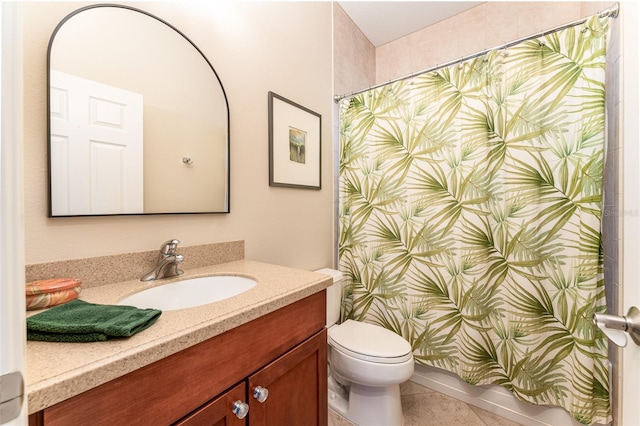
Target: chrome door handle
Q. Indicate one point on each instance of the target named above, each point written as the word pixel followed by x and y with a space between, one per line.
pixel 614 326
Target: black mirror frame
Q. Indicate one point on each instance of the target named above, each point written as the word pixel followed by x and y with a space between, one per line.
pixel 48 111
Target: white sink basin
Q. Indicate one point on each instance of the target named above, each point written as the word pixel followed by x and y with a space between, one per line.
pixel 189 293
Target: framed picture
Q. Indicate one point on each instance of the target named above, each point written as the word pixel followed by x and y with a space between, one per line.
pixel 294 144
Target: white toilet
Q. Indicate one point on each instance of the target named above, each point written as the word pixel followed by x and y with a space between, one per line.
pixel 367 363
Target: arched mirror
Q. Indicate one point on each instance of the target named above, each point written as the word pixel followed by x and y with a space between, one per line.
pixel 138 119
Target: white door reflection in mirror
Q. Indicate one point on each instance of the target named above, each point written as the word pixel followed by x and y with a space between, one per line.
pixel 96 147
pixel 186 113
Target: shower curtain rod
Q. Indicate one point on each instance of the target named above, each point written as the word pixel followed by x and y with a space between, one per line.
pixel 611 12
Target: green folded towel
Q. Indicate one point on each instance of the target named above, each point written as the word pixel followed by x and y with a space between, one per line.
pixel 80 321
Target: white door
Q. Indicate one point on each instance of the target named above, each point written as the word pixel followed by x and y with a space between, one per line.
pixel 96 147
pixel 13 407
pixel 630 371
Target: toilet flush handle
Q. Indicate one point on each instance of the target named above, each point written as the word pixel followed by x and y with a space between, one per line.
pixel 260 393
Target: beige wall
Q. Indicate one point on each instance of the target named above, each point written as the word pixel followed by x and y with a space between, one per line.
pixel 255 47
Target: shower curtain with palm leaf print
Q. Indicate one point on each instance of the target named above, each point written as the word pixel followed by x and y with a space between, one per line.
pixel 470 211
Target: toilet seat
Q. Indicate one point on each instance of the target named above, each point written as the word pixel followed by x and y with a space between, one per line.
pixel 369 342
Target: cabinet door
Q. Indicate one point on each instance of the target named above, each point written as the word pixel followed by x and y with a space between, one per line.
pixel 297 385
pixel 217 412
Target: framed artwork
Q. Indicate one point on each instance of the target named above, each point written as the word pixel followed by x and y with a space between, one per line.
pixel 294 144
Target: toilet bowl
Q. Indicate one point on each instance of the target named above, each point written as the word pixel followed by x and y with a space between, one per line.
pixel 367 363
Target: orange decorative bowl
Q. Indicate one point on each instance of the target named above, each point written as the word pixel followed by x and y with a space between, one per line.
pixel 52 292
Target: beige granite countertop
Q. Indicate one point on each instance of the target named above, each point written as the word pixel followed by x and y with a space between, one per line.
pixel 58 371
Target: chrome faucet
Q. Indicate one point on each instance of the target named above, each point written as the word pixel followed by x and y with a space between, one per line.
pixel 167 264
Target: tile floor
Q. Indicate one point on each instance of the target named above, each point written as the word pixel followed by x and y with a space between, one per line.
pixel 423 406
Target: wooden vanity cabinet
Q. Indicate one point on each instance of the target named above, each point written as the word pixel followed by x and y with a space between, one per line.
pixel 284 351
pixel 297 392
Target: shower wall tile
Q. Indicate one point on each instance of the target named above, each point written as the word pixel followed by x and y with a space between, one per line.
pixel 505 28
pixel 592 7
pixel 400 65
pixel 613 213
pixel 385 69
pixel 614 48
pixel 617 82
pixel 354 55
pixel 434 47
pixel 472 37
pixel 418 51
pixel 488 25
pixel 539 16
pixel 612 225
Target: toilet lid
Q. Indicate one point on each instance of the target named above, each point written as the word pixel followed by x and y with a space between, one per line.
pixel 369 342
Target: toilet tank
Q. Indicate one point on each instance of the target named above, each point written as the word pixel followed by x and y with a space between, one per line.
pixel 334 295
